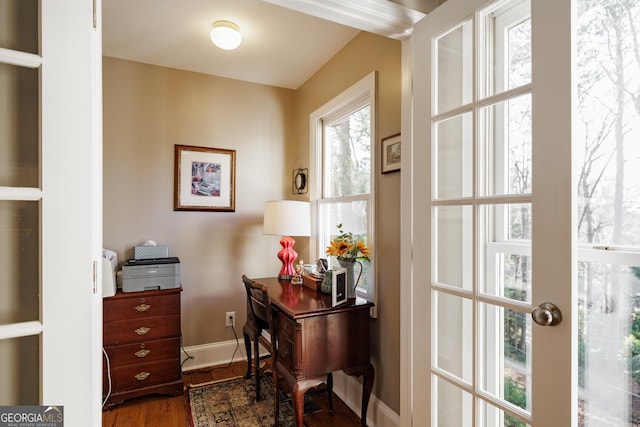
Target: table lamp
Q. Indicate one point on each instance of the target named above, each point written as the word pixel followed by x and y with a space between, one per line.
pixel 287 218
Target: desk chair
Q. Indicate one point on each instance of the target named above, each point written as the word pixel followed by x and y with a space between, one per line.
pixel 259 318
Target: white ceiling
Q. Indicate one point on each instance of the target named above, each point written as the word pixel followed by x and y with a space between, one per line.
pixel 281 47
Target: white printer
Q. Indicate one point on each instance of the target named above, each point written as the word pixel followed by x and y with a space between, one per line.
pixel 150 274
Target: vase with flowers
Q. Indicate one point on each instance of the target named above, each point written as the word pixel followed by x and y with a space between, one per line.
pixel 349 250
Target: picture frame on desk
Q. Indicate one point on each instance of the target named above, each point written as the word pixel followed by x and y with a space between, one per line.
pixel 204 179
pixel 338 286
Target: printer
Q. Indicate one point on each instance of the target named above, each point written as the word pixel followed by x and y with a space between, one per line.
pixel 150 274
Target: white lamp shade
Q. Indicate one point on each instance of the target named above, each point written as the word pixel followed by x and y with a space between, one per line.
pixel 226 35
pixel 287 218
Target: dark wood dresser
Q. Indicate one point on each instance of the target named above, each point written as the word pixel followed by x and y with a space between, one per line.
pixel 141 336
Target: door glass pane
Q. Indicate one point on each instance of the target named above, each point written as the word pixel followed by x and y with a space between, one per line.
pixel 606 135
pixel 505 46
pixel 454 318
pixel 453 406
pixel 454 69
pixel 505 251
pixel 20 367
pixel 347 154
pixel 453 257
pixel 19 25
pixel 505 348
pixel 19 132
pixel 491 416
pixel 19 261
pixel 453 161
pixel 504 133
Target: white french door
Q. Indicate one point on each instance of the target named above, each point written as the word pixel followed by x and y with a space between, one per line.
pixel 50 206
pixel 492 213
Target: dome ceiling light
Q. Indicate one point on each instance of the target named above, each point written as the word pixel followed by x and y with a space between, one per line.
pixel 226 35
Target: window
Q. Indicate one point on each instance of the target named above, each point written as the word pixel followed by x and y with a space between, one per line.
pixel 343 159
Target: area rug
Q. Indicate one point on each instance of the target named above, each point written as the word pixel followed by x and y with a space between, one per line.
pixel 231 403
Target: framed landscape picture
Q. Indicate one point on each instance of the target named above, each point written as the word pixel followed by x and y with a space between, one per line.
pixel 204 179
pixel 391 153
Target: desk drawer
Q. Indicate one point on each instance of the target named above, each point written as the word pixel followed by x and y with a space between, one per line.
pixel 285 325
pixel 285 353
pixel 137 330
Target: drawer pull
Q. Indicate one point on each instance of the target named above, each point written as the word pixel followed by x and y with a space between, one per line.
pixel 142 307
pixel 284 354
pixel 142 330
pixel 142 353
pixel 142 376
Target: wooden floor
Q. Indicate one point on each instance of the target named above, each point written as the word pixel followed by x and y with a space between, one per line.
pixel 160 411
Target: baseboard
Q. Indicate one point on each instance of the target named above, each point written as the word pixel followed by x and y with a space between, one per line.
pixel 207 355
pixel 348 389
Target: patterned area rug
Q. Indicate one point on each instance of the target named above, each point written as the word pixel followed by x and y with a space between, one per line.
pixel 231 403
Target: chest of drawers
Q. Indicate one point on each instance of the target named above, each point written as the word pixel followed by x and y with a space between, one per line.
pixel 141 336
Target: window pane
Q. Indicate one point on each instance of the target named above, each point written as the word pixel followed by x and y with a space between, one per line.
pixel 353 217
pixel 19 132
pixel 453 157
pixel 454 335
pixel 504 133
pixel 505 368
pixel 453 406
pixel 609 343
pixel 19 25
pixel 20 367
pixel 505 251
pixel 505 58
pixel 453 246
pixel 347 155
pixel 606 135
pixel 19 262
pixel 453 82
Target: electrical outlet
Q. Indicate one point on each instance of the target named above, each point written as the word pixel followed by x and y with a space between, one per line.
pixel 230 318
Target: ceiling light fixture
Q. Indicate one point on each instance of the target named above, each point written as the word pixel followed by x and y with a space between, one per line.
pixel 226 35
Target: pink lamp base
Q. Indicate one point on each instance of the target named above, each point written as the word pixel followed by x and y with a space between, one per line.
pixel 287 255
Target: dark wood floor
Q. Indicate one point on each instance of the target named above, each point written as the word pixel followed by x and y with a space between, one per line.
pixel 159 411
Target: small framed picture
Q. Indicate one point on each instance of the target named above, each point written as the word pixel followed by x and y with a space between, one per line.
pixel 391 153
pixel 204 179
pixel 339 286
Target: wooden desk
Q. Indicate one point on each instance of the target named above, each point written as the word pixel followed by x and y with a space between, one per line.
pixel 315 339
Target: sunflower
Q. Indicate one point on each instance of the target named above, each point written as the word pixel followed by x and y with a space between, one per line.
pixel 346 247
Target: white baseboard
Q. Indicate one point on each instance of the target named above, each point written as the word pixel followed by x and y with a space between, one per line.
pixel 219 353
pixel 347 388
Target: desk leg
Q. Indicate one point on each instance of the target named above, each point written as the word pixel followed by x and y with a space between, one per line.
pixel 297 397
pixel 332 412
pixel 367 387
pixel 368 375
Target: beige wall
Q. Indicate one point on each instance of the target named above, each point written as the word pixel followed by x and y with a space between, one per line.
pixel 148 109
pixel 364 54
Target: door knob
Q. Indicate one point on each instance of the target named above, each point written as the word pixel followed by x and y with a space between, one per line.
pixel 546 314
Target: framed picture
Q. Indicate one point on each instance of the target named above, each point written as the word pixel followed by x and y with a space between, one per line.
pixel 204 179
pixel 391 153
pixel 338 286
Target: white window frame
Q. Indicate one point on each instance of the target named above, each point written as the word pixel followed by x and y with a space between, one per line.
pixel 366 87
